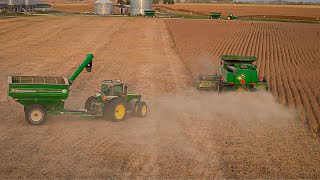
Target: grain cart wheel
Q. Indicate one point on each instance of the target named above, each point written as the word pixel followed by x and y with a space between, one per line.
pixel 36 114
pixel 88 104
pixel 116 111
pixel 142 109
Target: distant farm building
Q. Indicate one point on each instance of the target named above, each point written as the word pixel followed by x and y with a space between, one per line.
pixel 23 6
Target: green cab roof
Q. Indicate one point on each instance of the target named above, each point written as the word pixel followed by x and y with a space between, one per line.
pixel 238 58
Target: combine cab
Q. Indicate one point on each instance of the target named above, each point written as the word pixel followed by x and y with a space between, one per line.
pixel 235 73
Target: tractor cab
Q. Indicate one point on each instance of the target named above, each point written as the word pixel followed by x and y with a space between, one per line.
pixel 113 88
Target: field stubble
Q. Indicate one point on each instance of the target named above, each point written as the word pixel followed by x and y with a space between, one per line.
pixel 187 134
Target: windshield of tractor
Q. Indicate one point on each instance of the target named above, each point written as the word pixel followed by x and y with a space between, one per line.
pixel 117 90
pixel 105 89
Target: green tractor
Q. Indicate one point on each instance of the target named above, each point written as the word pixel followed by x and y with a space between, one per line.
pixel 232 17
pixel 235 73
pixel 113 102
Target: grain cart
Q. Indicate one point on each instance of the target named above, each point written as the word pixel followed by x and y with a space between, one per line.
pixel 232 17
pixel 42 95
pixel 215 16
pixel 235 73
pixel 149 13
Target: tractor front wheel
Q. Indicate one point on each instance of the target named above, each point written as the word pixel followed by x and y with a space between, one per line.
pixel 88 104
pixel 116 111
pixel 36 114
pixel 141 109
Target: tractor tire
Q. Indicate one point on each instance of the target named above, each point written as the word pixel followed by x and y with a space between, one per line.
pixel 142 109
pixel 36 114
pixel 133 106
pixel 88 104
pixel 115 111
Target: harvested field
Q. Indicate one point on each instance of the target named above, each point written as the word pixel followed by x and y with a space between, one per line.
pixel 288 54
pixel 187 134
pixel 297 12
pixel 72 8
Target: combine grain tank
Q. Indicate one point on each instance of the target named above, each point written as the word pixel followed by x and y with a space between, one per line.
pixel 103 7
pixel 138 7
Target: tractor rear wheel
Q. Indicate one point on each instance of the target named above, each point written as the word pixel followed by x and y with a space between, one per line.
pixel 133 106
pixel 116 111
pixel 88 104
pixel 142 109
pixel 36 114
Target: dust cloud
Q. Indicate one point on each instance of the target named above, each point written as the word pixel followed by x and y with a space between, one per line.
pixel 210 106
pixel 205 65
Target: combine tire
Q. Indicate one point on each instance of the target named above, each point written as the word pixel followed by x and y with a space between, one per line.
pixel 115 111
pixel 36 114
pixel 142 109
pixel 88 104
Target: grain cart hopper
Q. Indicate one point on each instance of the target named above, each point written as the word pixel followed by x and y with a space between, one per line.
pixel 234 73
pixel 42 95
pixel 232 17
pixel 149 13
pixel 215 16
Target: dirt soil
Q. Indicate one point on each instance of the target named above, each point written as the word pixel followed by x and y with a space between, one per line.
pixel 287 54
pixel 186 135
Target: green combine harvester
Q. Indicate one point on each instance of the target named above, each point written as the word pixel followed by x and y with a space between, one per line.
pixel 235 73
pixel 42 96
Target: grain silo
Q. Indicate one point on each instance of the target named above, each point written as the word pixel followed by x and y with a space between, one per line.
pixel 103 7
pixel 29 5
pixel 138 7
pixel 14 5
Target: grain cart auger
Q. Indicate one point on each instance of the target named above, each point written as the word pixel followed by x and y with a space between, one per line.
pixel 235 73
pixel 43 95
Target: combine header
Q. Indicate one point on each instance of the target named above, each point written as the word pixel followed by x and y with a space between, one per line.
pixel 42 95
pixel 234 73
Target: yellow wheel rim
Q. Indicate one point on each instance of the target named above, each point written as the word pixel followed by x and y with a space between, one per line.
pixel 120 111
pixel 144 110
pixel 36 115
